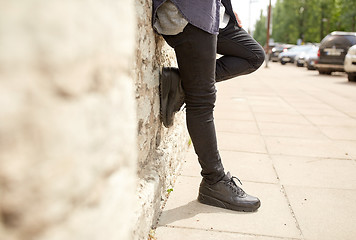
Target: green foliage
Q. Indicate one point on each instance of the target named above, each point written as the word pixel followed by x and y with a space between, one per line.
pixel 347 14
pixel 260 30
pixel 309 20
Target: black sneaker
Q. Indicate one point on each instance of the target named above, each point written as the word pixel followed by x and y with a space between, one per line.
pixel 226 194
pixel 171 95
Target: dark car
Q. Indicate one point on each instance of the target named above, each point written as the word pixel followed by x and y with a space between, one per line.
pixel 277 49
pixel 332 51
pixel 289 56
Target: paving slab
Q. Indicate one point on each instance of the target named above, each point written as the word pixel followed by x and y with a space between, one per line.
pixel 246 166
pixel 253 167
pixel 191 167
pixel 304 147
pixel 339 133
pixel 226 114
pixel 233 104
pixel 310 105
pixel 326 214
pixel 333 121
pixel 321 112
pixel 261 99
pixel 290 130
pixel 352 113
pixel 282 118
pixel 316 172
pixel 241 142
pixel 274 217
pixel 267 101
pixel 173 233
pixel 349 148
pixel 274 109
pixel 235 126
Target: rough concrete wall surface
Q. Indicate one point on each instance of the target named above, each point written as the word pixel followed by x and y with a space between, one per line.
pixel 160 150
pixel 68 129
pixel 83 154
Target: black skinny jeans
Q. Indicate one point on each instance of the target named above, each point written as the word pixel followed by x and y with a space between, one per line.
pixel 199 70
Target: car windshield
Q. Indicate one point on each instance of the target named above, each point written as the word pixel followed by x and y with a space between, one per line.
pixel 338 40
pixel 351 39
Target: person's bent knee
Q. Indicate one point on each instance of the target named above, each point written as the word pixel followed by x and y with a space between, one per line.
pixel 260 58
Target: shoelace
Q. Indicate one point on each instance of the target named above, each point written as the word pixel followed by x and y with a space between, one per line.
pixel 237 179
pixel 234 186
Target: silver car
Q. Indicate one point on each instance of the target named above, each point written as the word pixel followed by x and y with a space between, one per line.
pixel 289 56
pixel 312 58
pixel 303 58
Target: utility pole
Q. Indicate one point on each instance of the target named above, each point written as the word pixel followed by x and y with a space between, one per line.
pixel 268 26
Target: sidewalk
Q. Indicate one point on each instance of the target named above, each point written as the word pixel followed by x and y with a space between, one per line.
pixel 290 136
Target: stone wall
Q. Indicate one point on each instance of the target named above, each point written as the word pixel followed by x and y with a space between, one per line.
pixel 83 154
pixel 160 149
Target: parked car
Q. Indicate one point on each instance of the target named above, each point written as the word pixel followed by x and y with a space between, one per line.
pixel 301 58
pixel 277 49
pixel 312 58
pixel 350 63
pixel 332 51
pixel 289 56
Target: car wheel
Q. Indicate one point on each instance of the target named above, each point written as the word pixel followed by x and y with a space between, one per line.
pixel 300 65
pixel 324 72
pixel 283 63
pixel 351 77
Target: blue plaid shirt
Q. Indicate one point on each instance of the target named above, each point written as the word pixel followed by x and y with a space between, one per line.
pixel 203 14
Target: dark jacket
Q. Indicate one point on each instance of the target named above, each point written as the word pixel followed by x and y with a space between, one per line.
pixel 203 14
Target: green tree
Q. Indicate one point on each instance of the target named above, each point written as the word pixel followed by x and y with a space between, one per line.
pixel 311 20
pixel 347 16
pixel 286 22
pixel 328 17
pixel 260 33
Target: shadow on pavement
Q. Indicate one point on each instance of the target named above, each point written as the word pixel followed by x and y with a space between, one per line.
pixel 190 210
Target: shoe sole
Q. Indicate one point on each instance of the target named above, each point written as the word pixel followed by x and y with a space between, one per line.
pixel 163 95
pixel 204 199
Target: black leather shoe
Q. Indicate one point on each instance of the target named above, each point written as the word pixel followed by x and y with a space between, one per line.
pixel 226 194
pixel 171 95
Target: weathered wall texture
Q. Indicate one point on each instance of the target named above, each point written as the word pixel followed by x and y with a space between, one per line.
pixel 83 154
pixel 160 149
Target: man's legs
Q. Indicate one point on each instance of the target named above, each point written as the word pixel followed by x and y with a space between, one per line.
pixel 241 53
pixel 196 56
